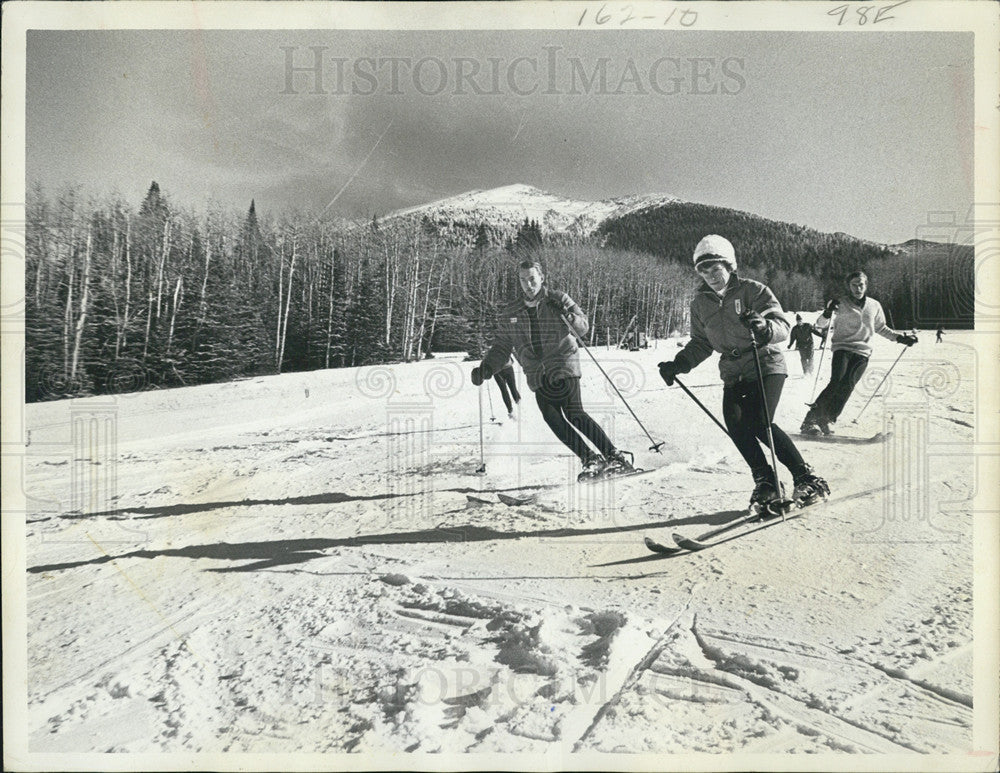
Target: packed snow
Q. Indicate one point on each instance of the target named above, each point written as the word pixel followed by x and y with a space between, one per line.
pixel 294 564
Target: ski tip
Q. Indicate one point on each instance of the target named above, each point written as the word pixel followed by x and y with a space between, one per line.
pixel 517 501
pixel 657 547
pixel 687 543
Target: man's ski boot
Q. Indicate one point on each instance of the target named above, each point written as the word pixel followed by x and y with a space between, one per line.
pixel 809 424
pixel 766 500
pixel 809 487
pixel 824 425
pixel 593 466
pixel 616 463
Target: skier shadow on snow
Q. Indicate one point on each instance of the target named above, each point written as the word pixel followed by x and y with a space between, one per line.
pixel 329 498
pixel 267 555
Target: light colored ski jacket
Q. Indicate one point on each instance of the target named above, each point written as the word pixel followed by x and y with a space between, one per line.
pixel 854 324
pixel 559 356
pixel 716 327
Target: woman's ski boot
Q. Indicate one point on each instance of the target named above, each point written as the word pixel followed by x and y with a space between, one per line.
pixel 809 487
pixel 766 500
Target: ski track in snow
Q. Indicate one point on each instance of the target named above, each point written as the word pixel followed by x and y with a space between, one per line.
pixel 287 566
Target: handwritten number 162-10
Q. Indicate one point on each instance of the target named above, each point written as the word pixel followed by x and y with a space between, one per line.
pixel 866 14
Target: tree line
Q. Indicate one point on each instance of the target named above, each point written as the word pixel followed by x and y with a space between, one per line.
pixel 919 283
pixel 119 298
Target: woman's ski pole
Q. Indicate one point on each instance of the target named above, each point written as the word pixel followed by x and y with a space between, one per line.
pixel 701 405
pixel 655 446
pixel 822 354
pixel 767 417
pixel 880 383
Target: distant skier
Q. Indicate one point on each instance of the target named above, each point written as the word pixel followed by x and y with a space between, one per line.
pixel 801 338
pixel 858 318
pixel 939 334
pixel 723 311
pixel 532 328
pixel 508 389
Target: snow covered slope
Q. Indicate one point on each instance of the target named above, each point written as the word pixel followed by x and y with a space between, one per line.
pixel 292 564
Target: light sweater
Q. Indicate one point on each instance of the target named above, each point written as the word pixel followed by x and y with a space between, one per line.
pixel 854 325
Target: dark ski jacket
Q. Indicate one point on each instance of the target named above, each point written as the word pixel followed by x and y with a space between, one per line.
pixel 559 356
pixel 802 337
pixel 716 327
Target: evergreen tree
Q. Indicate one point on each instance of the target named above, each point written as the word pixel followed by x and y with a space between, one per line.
pixel 482 240
pixel 365 319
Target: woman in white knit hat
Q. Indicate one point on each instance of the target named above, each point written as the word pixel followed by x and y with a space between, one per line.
pixel 724 311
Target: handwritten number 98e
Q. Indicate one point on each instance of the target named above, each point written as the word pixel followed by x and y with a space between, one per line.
pixel 866 14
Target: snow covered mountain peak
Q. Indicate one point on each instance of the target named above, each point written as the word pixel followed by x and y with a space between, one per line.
pixel 509 205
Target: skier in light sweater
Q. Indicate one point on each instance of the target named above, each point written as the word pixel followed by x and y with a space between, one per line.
pixel 858 318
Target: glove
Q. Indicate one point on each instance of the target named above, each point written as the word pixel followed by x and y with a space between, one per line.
pixel 906 340
pixel 831 306
pixel 757 325
pixel 669 371
pixel 480 374
pixel 556 306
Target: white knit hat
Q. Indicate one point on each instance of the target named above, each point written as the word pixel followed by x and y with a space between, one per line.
pixel 715 247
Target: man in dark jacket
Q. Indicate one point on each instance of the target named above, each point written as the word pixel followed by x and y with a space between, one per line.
pixel 801 338
pixel 535 328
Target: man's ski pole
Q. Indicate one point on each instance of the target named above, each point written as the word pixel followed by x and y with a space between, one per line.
pixel 880 383
pixel 655 446
pixel 489 395
pixel 767 417
pixel 482 457
pixel 701 405
pixel 822 354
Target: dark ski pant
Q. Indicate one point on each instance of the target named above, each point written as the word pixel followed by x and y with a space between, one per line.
pixel 508 389
pixel 559 401
pixel 744 416
pixel 806 355
pixel 847 368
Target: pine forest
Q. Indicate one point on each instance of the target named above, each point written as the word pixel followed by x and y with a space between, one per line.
pixel 119 299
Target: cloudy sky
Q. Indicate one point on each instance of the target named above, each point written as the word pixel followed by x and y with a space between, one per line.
pixel 863 133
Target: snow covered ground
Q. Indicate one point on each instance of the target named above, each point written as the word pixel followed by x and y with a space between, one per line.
pixel 293 564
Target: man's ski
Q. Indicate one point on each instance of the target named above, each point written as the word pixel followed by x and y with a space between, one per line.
pixel 878 437
pixel 506 499
pixel 517 501
pixel 615 475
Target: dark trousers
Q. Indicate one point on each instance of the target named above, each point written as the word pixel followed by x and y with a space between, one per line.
pixel 505 380
pixel 559 401
pixel 744 416
pixel 806 355
pixel 847 368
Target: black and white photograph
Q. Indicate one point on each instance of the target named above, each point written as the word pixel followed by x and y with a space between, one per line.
pixel 525 386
